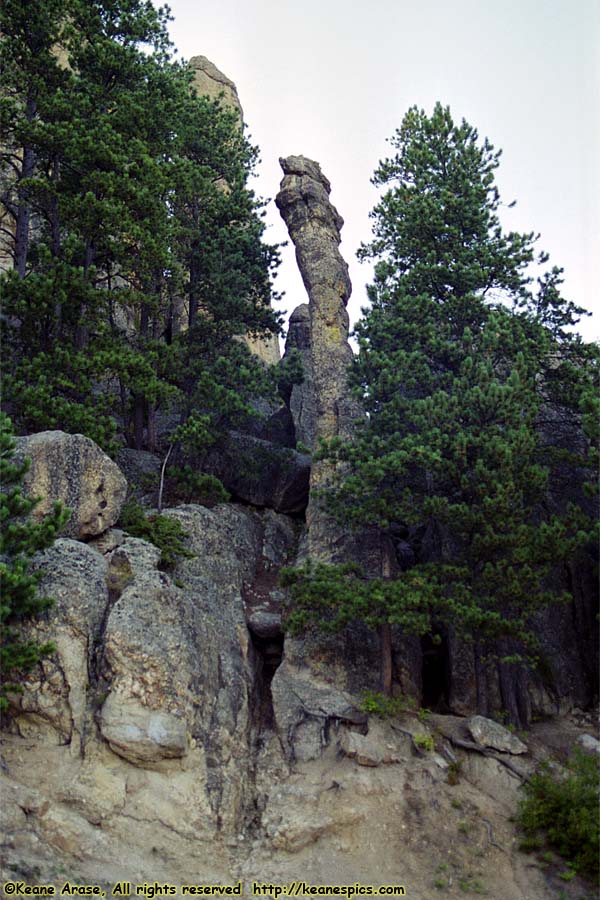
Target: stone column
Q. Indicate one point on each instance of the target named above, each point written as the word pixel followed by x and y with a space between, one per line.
pixel 314 226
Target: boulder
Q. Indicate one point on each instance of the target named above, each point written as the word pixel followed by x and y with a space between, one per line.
pixel 488 733
pixel 381 744
pixel 73 469
pixel 56 693
pixel 589 743
pixel 261 473
pixel 307 710
pixel 360 748
pixel 140 734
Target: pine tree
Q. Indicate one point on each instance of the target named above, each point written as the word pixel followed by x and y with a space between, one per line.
pixel 20 538
pixel 127 217
pixel 451 368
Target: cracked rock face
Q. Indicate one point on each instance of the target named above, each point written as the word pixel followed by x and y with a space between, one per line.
pixel 314 225
pixel 138 751
pixel 488 733
pixel 301 400
pixel 56 693
pixel 155 681
pixel 73 469
pixel 211 82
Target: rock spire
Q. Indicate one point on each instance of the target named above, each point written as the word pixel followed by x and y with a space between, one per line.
pixel 314 226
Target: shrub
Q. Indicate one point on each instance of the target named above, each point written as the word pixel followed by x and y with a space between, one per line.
pixel 378 704
pixel 424 741
pixel 165 533
pixel 564 809
pixel 196 487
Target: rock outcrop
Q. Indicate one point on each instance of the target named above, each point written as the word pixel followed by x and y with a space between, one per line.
pixel 315 229
pixel 261 472
pixel 72 468
pixel 176 735
pixel 156 745
pixel 209 81
pixel 301 400
pixel 323 408
pixel 314 226
pixel 56 695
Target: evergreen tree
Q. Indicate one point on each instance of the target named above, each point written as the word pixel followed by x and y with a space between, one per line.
pixel 20 538
pixel 451 369
pixel 127 218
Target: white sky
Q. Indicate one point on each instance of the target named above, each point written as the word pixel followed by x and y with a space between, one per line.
pixel 332 79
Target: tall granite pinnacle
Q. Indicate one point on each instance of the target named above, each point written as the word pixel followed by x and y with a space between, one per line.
pixel 314 226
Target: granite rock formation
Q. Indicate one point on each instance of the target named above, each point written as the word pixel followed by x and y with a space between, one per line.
pixel 261 472
pixel 165 740
pixel 210 82
pixel 73 469
pixel 301 399
pixel 314 226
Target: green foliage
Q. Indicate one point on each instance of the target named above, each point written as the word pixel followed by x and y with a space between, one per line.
pixel 458 361
pixel 137 243
pixel 563 809
pixel 335 596
pixel 194 487
pixel 424 742
pixel 164 532
pixel 20 539
pixel 378 704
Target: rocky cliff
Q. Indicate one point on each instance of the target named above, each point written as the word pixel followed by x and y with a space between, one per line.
pixel 156 745
pixel 178 735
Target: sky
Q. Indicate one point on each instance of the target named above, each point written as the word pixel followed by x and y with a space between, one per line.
pixel 331 80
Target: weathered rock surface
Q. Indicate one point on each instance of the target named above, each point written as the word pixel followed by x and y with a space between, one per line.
pixel 301 399
pixel 73 469
pixel 155 759
pixel 307 709
pixel 211 82
pixel 314 226
pixel 488 733
pixel 589 743
pixel 261 473
pixel 264 599
pixel 382 745
pixel 140 734
pixel 142 471
pixel 56 694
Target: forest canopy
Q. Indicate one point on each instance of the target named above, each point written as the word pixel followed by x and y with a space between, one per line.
pixel 132 239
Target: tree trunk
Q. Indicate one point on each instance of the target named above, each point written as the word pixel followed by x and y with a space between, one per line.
pixel 513 688
pixel 151 428
pixel 138 421
pixel 481 685
pixel 385 659
pixel 56 243
pixel 194 280
pixel 24 209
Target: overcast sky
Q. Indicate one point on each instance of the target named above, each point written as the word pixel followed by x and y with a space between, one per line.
pixel 331 80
